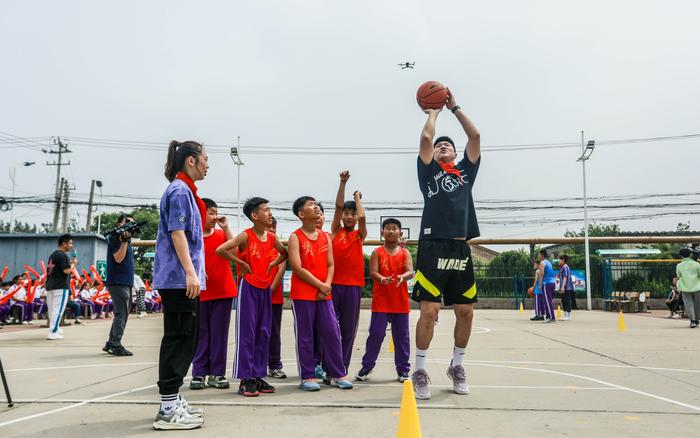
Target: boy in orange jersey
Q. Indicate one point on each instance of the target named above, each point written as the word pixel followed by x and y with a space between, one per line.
pixel 257 252
pixel 311 260
pixel 390 267
pixel 349 262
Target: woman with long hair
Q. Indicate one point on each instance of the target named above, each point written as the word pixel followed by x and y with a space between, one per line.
pixel 178 275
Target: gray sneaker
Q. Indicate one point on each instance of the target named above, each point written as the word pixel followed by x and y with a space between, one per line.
pixel 459 379
pixel 178 419
pixel 195 412
pixel 420 384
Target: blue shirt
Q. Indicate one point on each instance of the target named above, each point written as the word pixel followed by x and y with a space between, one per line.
pixel 565 272
pixel 178 211
pixel 119 273
pixel 548 273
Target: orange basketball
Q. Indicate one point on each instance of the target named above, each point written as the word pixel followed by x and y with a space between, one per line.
pixel 530 292
pixel 431 95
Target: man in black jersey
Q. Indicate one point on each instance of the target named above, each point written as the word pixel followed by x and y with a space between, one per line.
pixel 444 270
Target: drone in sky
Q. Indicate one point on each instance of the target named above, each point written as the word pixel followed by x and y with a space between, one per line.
pixel 405 65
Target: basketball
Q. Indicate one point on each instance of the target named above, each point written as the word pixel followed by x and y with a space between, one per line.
pixel 530 292
pixel 431 95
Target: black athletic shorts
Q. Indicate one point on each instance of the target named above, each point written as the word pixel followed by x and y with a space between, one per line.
pixel 444 272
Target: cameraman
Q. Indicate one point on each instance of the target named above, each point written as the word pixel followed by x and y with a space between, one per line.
pixel 120 280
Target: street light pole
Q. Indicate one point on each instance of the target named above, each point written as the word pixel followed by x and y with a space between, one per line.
pixel 99 207
pixel 586 151
pixel 236 157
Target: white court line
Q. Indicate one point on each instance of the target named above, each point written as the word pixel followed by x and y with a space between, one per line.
pixel 65 408
pixel 601 382
pixel 475 362
pixel 281 404
pixel 398 386
pixel 83 366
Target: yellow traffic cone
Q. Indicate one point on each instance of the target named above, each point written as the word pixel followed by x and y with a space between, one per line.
pixel 521 310
pixel 621 323
pixel 391 344
pixel 558 313
pixel 409 423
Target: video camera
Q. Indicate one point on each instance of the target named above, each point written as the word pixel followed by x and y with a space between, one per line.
pixel 132 227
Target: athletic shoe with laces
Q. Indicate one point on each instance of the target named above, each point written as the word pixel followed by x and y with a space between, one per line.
pixel 120 351
pixel 178 419
pixel 362 374
pixel 195 412
pixel 264 387
pixel 276 374
pixel 537 318
pixel 402 377
pixel 420 384
pixel 54 336
pixel 248 388
pixel 309 385
pixel 459 379
pixel 197 382
pixel 341 383
pixel 218 382
pixel 693 324
pixel 318 371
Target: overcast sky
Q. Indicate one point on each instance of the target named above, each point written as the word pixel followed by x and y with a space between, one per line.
pixel 324 74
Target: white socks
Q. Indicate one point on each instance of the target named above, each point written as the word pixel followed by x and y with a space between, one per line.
pixel 458 356
pixel 420 358
pixel 168 402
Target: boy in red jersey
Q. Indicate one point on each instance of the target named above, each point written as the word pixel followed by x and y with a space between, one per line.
pixel 349 262
pixel 274 361
pixel 390 267
pixel 257 252
pixel 311 260
pixel 215 305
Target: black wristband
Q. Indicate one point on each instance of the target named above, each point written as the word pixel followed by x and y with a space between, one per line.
pixel 455 108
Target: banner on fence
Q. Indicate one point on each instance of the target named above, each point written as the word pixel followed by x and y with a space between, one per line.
pixel 579 279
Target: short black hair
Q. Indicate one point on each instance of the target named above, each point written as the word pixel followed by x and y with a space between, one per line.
pixel 685 252
pixel 444 138
pixel 564 257
pixel 64 238
pixel 274 221
pixel 350 205
pixel 390 221
pixel 320 205
pixel 15 278
pixel 123 217
pixel 299 204
pixel 209 203
pixel 251 205
pixel 543 252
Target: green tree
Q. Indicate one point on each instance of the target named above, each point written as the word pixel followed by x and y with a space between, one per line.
pixel 509 263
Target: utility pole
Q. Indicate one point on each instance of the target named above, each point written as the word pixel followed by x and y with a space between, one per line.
pixel 64 206
pixel 62 149
pixel 89 213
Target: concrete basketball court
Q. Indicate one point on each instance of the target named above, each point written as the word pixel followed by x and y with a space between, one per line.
pixel 579 378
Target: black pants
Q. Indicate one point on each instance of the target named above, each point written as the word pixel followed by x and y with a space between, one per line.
pixel 568 300
pixel 121 300
pixel 179 339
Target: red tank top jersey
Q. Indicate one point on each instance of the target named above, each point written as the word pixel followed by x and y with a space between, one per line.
pixel 314 258
pixel 220 282
pixel 258 255
pixel 348 259
pixel 389 298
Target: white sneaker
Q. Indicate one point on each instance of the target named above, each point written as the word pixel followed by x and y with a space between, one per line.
pixel 420 384
pixel 25 322
pixel 459 379
pixel 54 336
pixel 177 419
pixel 141 315
pixel 195 412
